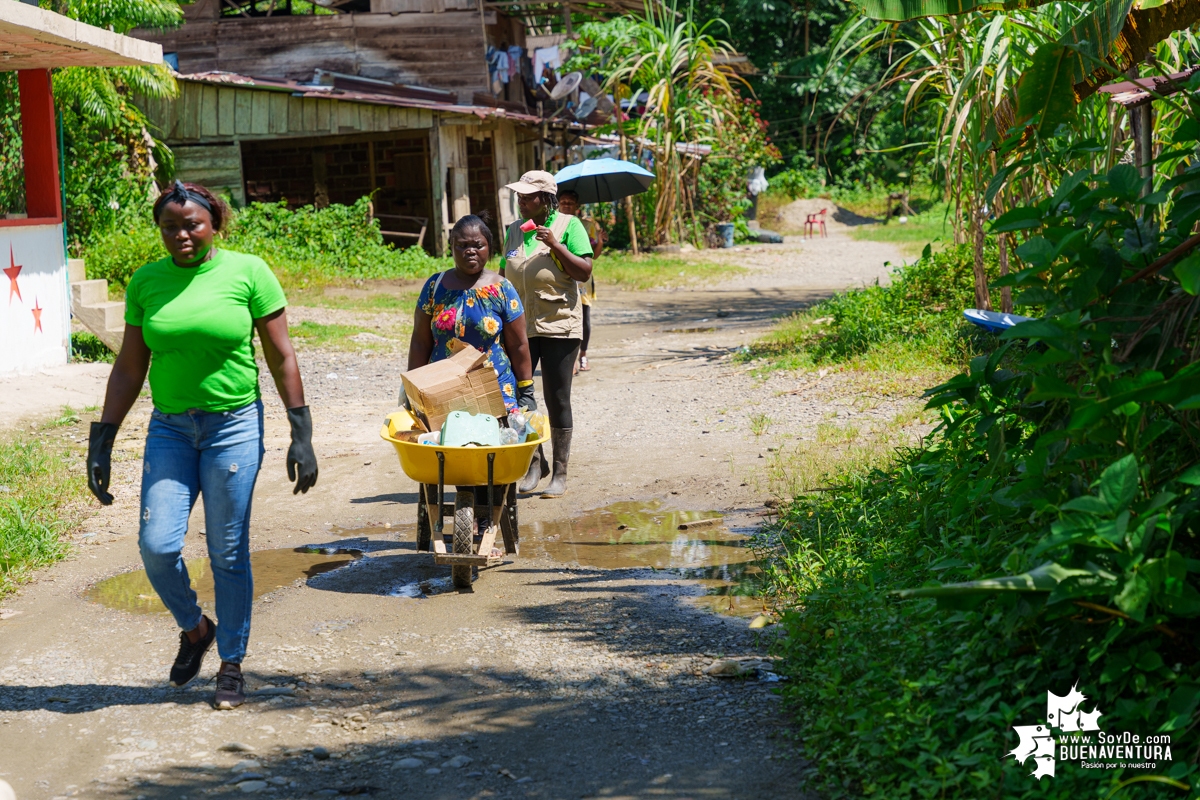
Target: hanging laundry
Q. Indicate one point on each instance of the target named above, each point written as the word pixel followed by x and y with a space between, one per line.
pixel 514 61
pixel 502 66
pixel 545 57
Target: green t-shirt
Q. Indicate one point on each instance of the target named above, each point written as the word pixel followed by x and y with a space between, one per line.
pixel 197 322
pixel 575 237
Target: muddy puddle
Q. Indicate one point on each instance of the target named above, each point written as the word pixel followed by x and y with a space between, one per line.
pixel 273 569
pixel 695 544
pixel 403 530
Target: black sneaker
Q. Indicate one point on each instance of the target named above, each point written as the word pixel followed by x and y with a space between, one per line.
pixel 231 687
pixel 191 656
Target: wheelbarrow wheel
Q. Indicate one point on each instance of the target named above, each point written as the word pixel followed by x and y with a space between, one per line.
pixel 464 536
pixel 424 526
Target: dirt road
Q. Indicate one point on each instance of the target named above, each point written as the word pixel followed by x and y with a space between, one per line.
pixel 553 678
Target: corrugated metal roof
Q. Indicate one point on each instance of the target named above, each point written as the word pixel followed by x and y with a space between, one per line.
pixel 333 93
pixel 1131 94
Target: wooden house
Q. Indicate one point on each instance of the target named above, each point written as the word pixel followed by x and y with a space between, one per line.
pixel 326 102
pixel 428 162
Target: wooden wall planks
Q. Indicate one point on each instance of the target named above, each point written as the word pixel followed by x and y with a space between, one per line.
pixel 208 114
pixel 444 50
pixel 219 167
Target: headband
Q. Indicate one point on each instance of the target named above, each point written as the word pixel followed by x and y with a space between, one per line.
pixel 181 194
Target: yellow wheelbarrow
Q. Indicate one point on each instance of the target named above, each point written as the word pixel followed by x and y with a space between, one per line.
pixel 496 469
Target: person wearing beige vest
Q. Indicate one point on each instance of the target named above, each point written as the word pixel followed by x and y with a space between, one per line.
pixel 546 263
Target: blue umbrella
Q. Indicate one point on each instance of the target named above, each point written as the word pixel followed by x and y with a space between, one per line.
pixel 602 180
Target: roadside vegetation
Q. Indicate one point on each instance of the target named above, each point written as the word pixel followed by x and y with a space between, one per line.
pixel 913 324
pixel 623 270
pixel 306 247
pixel 1043 536
pixel 39 498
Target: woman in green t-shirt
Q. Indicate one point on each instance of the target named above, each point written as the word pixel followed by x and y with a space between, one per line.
pixel 189 321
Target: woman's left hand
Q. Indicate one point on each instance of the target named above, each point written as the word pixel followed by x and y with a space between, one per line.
pixel 544 235
pixel 301 460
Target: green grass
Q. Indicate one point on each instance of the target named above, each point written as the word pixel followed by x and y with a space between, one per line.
pixel 930 226
pixel 39 499
pixel 354 298
pixel 915 324
pixel 342 337
pixel 86 348
pixel 652 270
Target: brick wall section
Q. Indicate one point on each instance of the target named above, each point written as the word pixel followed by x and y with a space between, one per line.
pixel 348 172
pixel 481 179
pixel 275 173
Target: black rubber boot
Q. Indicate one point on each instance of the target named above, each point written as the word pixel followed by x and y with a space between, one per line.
pixel 537 468
pixel 560 438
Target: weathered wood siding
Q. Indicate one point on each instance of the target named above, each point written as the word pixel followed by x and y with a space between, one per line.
pixel 205 113
pixel 219 167
pixel 442 50
pixel 508 170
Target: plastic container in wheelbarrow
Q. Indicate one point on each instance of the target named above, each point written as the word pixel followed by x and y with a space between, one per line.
pixel 465 466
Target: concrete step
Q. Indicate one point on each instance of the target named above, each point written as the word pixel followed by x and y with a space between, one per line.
pixel 89 293
pixel 90 306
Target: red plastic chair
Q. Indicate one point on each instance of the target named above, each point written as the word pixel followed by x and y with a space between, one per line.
pixel 812 220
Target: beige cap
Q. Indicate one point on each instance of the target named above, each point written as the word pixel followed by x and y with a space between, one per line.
pixel 535 181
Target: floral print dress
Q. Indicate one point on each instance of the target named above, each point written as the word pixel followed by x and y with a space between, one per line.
pixel 476 316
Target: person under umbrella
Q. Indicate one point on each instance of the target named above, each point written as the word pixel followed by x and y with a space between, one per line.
pixel 568 203
pixel 546 258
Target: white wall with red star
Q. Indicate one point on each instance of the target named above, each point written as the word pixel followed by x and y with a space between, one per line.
pixel 35 300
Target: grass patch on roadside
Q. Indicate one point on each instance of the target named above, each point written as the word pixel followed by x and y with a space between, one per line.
pixel 352 298
pixel 335 336
pixel 931 226
pixel 915 324
pixel 39 501
pixel 652 271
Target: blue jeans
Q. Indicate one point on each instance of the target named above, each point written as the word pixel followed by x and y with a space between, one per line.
pixel 216 455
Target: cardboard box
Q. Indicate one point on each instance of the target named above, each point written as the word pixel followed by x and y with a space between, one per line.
pixel 463 382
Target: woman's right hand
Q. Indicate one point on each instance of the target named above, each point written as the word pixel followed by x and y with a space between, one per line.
pixel 99 459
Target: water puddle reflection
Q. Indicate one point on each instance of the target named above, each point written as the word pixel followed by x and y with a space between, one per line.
pixel 404 530
pixel 273 569
pixel 694 544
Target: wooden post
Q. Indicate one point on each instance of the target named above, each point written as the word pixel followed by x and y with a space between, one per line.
pixel 371 164
pixel 1141 126
pixel 320 183
pixel 39 145
pixel 629 198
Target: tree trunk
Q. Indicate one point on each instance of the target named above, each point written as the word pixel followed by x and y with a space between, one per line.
pixel 982 299
pixel 1006 291
pixel 628 198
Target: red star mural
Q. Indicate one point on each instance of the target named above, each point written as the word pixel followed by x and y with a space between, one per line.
pixel 37 317
pixel 12 272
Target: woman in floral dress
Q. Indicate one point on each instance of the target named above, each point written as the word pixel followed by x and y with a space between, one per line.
pixel 476 305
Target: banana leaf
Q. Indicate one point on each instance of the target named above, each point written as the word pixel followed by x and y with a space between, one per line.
pixel 1039 579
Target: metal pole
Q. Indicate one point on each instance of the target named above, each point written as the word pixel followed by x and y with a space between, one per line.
pixel 441 489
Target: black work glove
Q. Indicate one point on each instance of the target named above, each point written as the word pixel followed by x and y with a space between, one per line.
pixel 525 398
pixel 301 460
pixel 99 459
